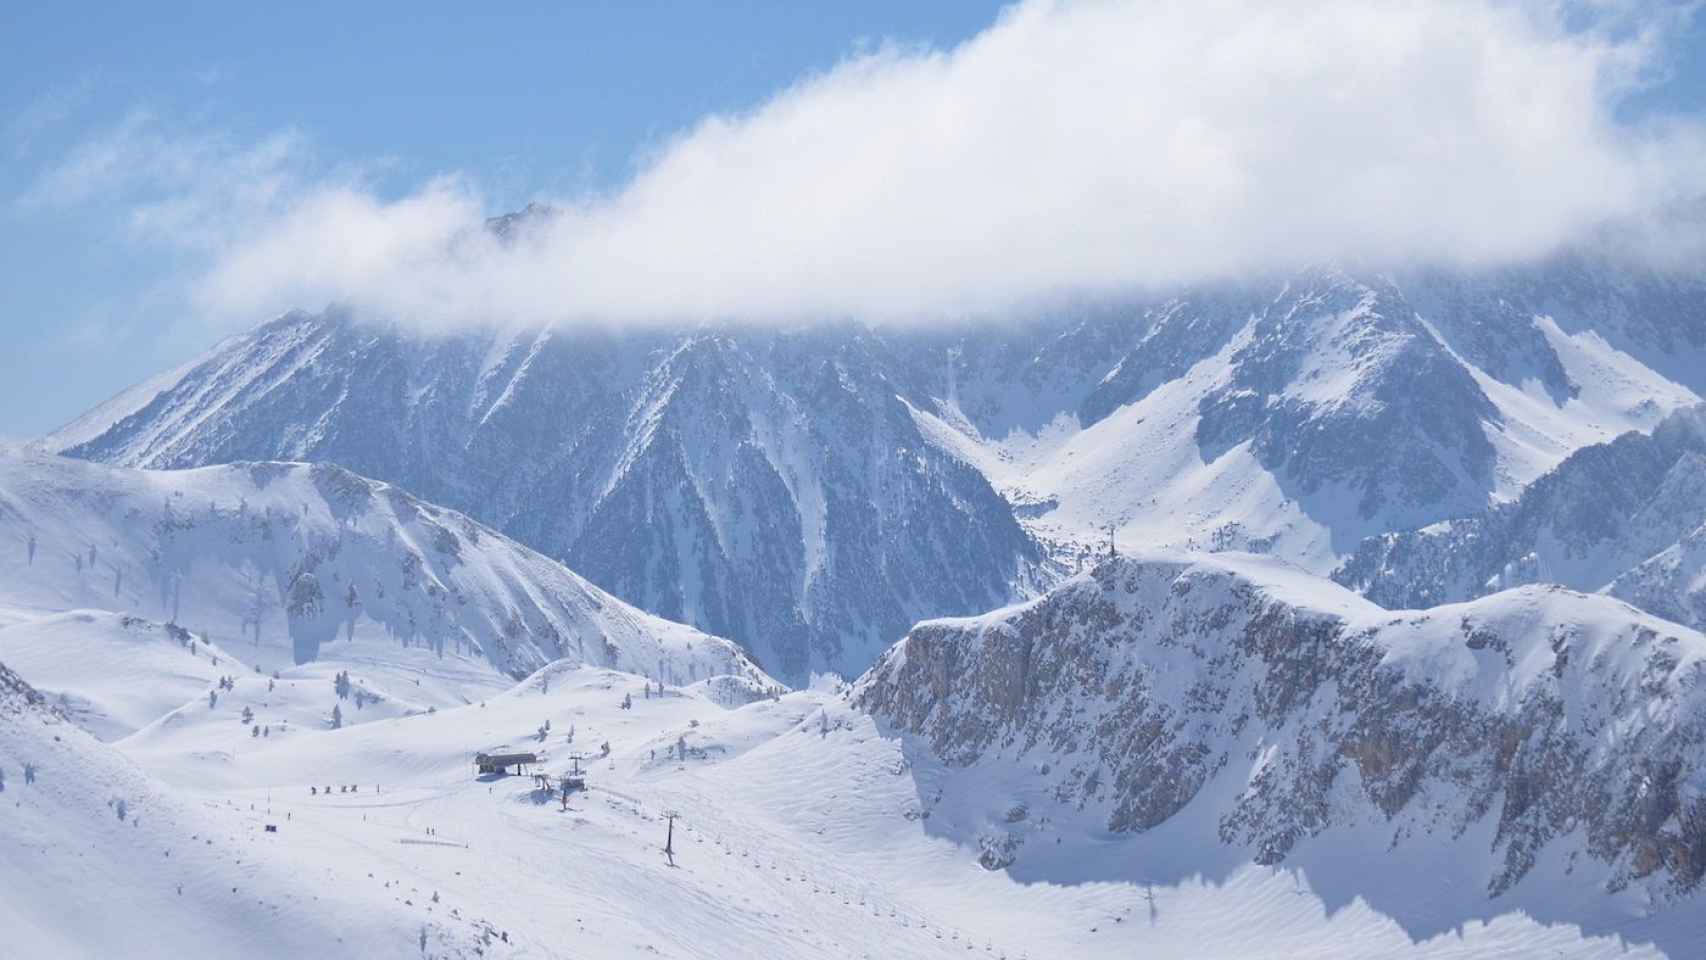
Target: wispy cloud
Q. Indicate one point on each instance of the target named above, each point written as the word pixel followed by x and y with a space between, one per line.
pixel 1088 146
pixel 53 107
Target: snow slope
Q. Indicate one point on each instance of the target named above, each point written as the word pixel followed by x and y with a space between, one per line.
pixel 112 673
pixel 284 564
pixel 805 828
pixel 103 860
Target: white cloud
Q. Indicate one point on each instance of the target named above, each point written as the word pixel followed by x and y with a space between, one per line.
pixel 1088 146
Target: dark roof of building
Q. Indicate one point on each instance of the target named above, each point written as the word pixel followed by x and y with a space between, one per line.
pixel 505 758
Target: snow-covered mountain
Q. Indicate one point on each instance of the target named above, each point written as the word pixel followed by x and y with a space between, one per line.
pixel 282 564
pixel 1297 416
pixel 812 492
pixel 1606 509
pixel 1671 583
pixel 775 489
pixel 1537 750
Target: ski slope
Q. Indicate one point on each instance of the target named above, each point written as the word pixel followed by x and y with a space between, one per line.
pixel 804 830
pixel 103 860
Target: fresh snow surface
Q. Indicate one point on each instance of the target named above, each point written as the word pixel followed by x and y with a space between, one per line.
pixel 799 834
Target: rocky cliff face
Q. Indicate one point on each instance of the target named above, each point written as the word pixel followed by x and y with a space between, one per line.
pixel 1286 709
pixel 1338 383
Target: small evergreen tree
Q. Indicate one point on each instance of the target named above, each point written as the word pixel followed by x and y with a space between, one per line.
pixel 212 699
pixel 337 717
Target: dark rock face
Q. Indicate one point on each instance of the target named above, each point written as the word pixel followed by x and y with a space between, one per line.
pixel 1406 429
pixel 1147 680
pixel 1178 334
pixel 17 696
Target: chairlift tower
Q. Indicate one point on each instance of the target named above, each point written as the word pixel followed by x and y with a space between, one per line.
pixel 669 839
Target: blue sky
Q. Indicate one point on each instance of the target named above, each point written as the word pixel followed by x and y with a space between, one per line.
pixel 166 165
pixel 550 97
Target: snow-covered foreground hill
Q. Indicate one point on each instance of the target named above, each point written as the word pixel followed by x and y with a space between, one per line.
pixel 804 829
pixel 1170 758
pixel 100 859
pixel 281 564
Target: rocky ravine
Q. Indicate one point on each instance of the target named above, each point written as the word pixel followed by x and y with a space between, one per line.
pixel 1560 718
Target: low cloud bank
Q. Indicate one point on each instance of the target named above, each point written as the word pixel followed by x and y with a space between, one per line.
pixel 1086 147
